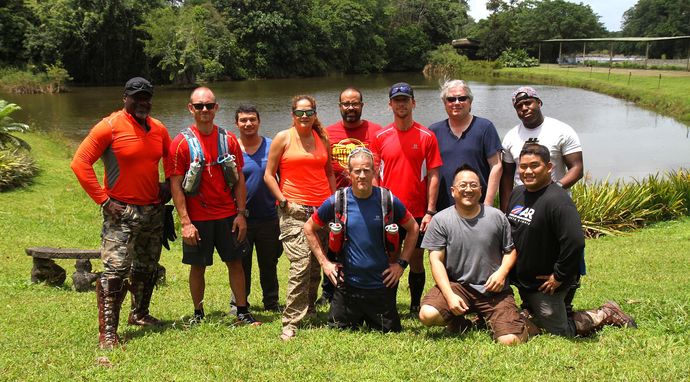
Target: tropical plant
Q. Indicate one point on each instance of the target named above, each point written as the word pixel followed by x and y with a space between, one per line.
pixel 17 169
pixel 612 208
pixel 8 125
pixel 517 58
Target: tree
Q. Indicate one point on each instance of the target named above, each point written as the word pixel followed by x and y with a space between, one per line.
pixel 190 42
pixel 659 18
pixel 407 49
pixel 15 20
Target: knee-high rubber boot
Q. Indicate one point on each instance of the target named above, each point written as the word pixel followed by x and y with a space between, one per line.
pixel 110 291
pixel 141 286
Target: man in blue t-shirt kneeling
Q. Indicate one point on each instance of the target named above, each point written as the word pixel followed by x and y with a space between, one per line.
pixel 367 274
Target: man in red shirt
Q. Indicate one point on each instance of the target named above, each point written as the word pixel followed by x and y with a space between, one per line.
pixel 131 144
pixel 345 135
pixel 409 162
pixel 211 201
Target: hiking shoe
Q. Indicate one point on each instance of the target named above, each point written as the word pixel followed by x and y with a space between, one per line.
pixel 616 317
pixel 274 308
pixel 143 320
pixel 414 311
pixel 247 319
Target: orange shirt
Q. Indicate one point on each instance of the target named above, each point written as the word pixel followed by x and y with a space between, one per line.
pixel 130 155
pixel 303 177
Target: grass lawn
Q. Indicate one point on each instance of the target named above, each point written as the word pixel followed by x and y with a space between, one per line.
pixel 51 333
pixel 665 92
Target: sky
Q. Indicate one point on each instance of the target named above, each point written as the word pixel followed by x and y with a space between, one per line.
pixel 610 11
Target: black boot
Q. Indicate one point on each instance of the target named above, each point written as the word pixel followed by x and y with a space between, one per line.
pixel 110 291
pixel 141 286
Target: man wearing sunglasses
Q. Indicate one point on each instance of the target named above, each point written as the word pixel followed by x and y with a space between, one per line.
pixel 409 162
pixel 464 138
pixel 366 278
pixel 131 145
pixel 345 135
pixel 213 212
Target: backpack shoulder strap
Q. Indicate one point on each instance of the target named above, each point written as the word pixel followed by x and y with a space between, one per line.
pixel 195 151
pixel 222 143
pixel 387 206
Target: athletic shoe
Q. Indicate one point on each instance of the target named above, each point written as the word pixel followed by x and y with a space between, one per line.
pixel 616 317
pixel 247 319
pixel 414 311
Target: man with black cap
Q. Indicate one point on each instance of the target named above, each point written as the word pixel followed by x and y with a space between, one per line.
pixel 408 159
pixel 131 144
pixel 561 140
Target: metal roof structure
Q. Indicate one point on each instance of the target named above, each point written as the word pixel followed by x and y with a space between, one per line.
pixel 617 39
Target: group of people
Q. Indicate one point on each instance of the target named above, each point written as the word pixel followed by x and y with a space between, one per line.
pixel 355 201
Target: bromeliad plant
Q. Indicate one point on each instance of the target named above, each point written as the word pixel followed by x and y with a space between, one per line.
pixel 612 208
pixel 8 126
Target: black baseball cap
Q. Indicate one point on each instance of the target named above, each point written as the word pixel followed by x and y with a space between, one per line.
pixel 138 84
pixel 401 89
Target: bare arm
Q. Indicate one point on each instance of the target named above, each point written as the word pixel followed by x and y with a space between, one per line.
pixel 576 169
pixel 274 155
pixel 330 269
pixel 497 280
pixel 239 225
pixel 506 187
pixel 494 178
pixel 432 193
pixel 455 303
pixel 190 235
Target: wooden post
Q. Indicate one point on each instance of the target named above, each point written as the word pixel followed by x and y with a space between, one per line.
pixel 560 49
pixel 646 56
pixel 539 59
pixel 610 56
pixel 584 52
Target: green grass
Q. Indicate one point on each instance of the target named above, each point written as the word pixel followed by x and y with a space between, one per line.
pixel 668 95
pixel 50 334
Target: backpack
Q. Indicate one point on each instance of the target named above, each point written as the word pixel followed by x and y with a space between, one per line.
pixel 196 155
pixel 340 207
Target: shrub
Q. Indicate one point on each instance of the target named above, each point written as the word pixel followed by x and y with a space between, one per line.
pixel 7 125
pixel 32 81
pixel 445 61
pixel 517 58
pixel 611 208
pixel 17 169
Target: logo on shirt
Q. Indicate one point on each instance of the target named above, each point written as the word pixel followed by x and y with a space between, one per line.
pixel 521 214
pixel 415 146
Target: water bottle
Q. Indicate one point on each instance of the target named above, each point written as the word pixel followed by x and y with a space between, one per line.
pixel 192 177
pixel 229 167
pixel 335 237
pixel 392 242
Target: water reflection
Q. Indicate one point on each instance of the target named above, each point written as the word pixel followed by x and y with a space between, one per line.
pixel 619 139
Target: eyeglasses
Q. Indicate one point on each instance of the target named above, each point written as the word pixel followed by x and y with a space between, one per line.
pixel 456 99
pixel 463 186
pixel 300 113
pixel 348 105
pixel 200 106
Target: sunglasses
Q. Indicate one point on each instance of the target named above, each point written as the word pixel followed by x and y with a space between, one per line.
pixel 456 99
pixel 200 106
pixel 358 150
pixel 300 113
pixel 139 86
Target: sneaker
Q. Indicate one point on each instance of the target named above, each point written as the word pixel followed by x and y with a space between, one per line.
pixel 195 320
pixel 274 308
pixel 247 319
pixel 616 317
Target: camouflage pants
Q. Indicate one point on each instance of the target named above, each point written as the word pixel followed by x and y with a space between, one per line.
pixel 132 241
pixel 305 273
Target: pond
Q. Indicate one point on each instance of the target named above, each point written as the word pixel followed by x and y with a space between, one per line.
pixel 619 139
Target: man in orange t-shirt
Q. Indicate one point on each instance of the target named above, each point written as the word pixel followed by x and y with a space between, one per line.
pixel 131 144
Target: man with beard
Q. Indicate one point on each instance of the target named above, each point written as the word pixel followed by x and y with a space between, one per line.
pixel 131 145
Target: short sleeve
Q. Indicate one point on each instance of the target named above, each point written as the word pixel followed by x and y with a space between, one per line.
pixel 436 236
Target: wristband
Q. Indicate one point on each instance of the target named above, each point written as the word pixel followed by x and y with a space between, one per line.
pixel 430 212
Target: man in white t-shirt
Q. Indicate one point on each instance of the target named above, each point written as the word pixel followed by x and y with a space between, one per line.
pixel 561 140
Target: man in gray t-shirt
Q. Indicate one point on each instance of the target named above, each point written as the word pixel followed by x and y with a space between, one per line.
pixel 471 252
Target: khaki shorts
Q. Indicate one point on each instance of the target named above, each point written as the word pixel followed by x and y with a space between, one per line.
pixel 498 309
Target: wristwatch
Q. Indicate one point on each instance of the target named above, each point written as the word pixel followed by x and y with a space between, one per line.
pixel 282 203
pixel 430 212
pixel 244 212
pixel 403 263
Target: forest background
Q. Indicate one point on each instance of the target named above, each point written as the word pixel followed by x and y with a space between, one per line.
pixel 103 42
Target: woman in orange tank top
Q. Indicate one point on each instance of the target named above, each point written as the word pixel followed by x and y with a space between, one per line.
pixel 301 155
